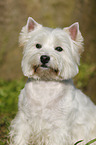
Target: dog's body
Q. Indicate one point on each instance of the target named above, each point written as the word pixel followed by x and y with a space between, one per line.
pixel 51 110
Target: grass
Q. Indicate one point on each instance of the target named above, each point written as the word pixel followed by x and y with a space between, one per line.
pixel 9 91
pixel 89 143
pixel 85 74
pixel 78 142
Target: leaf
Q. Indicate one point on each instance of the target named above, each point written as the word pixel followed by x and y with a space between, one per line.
pixel 90 142
pixel 78 142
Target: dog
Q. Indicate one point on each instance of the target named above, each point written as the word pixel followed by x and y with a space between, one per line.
pixel 51 111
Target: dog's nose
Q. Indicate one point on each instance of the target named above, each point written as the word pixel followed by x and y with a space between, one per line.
pixel 44 59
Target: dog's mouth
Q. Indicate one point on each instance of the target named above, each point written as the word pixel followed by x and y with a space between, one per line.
pixel 44 67
pixel 39 66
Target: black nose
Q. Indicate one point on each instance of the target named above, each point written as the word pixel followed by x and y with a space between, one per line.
pixel 44 59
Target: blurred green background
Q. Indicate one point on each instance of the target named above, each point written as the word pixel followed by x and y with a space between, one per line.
pixel 51 13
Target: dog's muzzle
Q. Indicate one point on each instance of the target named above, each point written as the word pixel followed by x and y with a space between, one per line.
pixel 44 59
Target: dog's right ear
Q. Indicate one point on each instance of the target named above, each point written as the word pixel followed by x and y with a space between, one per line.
pixel 31 26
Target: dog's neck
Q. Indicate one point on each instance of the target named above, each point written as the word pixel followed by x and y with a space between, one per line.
pixel 69 81
pixel 47 91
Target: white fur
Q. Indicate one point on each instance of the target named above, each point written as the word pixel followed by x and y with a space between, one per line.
pixel 51 110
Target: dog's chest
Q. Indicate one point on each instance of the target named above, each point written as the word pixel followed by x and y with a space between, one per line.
pixel 45 99
pixel 44 92
pixel 46 104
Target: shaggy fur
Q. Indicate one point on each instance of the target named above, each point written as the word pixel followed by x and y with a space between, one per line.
pixel 51 110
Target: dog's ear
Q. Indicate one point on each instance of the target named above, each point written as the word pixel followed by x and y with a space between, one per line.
pixel 32 24
pixel 25 33
pixel 77 40
pixel 73 31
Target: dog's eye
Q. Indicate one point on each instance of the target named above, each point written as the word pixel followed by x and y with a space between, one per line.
pixel 59 49
pixel 38 46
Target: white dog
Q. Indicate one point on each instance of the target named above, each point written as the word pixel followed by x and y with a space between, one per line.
pixel 51 110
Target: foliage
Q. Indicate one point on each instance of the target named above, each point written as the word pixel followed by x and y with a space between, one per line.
pixel 89 143
pixel 78 142
pixel 92 141
pixel 86 72
pixel 9 91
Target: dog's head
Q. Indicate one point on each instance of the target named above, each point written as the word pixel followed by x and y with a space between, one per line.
pixel 50 53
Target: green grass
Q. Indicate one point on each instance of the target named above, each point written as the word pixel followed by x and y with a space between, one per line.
pixel 86 72
pixel 78 142
pixel 9 91
pixel 89 143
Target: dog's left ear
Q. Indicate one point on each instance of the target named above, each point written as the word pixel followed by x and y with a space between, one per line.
pixel 25 33
pixel 77 40
pixel 73 31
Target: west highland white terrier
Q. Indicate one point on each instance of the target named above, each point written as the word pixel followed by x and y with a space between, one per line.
pixel 51 110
